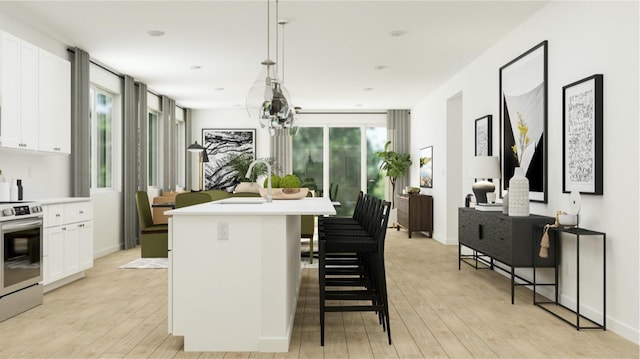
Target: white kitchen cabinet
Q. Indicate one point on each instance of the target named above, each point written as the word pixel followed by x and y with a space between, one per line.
pixel 54 105
pixel 68 240
pixel 19 93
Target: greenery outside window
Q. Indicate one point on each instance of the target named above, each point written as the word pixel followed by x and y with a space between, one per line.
pixel 101 117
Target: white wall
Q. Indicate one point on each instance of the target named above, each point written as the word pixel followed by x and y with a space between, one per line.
pixel 585 38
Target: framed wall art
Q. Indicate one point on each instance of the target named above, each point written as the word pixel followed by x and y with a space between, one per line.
pixel 220 145
pixel 582 136
pixel 426 167
pixel 483 136
pixel 523 120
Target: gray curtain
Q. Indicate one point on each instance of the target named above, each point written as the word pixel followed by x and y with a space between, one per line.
pixel 280 150
pixel 169 142
pixel 188 165
pixel 398 130
pixel 80 125
pixel 143 129
pixel 129 163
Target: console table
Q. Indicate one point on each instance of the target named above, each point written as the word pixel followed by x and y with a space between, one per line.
pixel 415 213
pixel 508 240
pixel 554 235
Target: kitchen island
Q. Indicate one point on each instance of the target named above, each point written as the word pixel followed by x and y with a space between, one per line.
pixel 234 272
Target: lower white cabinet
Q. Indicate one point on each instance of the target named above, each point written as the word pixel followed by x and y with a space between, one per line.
pixel 68 241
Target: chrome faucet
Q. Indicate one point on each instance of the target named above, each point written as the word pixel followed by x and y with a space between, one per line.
pixel 268 176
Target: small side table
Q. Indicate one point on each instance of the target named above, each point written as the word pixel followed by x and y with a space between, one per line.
pixel 554 236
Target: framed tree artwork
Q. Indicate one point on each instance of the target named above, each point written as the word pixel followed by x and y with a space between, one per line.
pixel 221 145
pixel 426 167
pixel 582 136
pixel 483 136
pixel 523 120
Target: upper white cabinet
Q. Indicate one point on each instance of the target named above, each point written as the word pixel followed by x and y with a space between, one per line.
pixel 19 72
pixel 35 97
pixel 54 97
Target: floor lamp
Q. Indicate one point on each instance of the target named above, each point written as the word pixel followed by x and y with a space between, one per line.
pixel 203 159
pixel 196 148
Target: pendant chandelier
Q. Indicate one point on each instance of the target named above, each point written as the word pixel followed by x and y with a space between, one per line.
pixel 268 100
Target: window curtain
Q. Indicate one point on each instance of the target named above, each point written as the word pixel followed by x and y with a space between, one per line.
pixel 129 163
pixel 398 132
pixel 143 130
pixel 169 142
pixel 281 150
pixel 80 125
pixel 188 166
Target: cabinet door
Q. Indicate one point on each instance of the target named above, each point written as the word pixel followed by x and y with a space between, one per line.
pixel 85 244
pixel 54 104
pixel 29 96
pixel 71 251
pixel 10 78
pixel 54 242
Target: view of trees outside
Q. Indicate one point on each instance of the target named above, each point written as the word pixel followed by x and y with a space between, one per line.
pixel 344 157
pixel 307 157
pixel 101 140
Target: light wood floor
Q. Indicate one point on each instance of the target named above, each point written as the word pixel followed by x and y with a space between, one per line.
pixel 436 312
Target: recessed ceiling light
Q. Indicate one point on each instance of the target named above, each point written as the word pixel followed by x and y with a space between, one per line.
pixel 367 89
pixel 195 67
pixel 358 105
pixel 380 67
pixel 219 88
pixel 155 33
pixel 397 33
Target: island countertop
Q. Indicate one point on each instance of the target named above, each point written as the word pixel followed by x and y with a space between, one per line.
pixel 258 206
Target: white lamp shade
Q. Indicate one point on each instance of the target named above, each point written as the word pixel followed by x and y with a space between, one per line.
pixel 484 167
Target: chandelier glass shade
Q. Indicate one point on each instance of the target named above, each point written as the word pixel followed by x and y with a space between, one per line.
pixel 268 100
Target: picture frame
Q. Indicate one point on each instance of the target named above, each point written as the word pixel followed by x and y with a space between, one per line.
pixel 582 129
pixel 220 145
pixel 523 120
pixel 426 167
pixel 483 142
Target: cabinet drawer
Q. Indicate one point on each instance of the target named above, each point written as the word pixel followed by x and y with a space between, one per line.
pixel 78 212
pixel 53 215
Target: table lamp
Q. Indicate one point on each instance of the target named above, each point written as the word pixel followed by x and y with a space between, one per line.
pixel 484 168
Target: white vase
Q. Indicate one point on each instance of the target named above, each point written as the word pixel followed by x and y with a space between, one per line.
pixel 518 194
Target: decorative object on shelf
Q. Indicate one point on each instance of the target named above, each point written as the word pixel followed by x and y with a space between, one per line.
pixel 395 165
pixel 426 167
pixel 412 190
pixel 220 144
pixel 483 136
pixel 484 168
pixel 268 99
pixel 518 194
pixel 523 104
pixel 505 202
pixel 582 136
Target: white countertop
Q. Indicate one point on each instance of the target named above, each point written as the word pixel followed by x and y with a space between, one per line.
pixel 46 201
pixel 307 205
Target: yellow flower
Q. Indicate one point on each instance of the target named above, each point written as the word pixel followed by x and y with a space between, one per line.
pixel 523 140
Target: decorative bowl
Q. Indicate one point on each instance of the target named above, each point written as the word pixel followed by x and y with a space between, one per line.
pixel 568 220
pixel 285 193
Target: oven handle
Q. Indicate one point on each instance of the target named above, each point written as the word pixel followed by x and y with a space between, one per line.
pixel 11 226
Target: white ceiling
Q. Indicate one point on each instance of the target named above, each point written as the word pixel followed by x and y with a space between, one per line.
pixel 331 47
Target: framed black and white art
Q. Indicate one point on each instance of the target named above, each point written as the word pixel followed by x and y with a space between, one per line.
pixel 582 136
pixel 483 136
pixel 523 120
pixel 220 145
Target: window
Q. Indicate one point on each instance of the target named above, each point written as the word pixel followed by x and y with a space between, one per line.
pixel 349 153
pixel 101 117
pixel 154 141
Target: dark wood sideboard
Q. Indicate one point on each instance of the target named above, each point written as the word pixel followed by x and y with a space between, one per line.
pixel 513 241
pixel 415 213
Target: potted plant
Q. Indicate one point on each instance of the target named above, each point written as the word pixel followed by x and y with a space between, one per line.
pixel 240 164
pixel 395 166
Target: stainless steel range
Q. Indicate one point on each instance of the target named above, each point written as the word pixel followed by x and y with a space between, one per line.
pixel 20 257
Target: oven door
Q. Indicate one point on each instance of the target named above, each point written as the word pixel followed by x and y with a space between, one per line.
pixel 21 254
